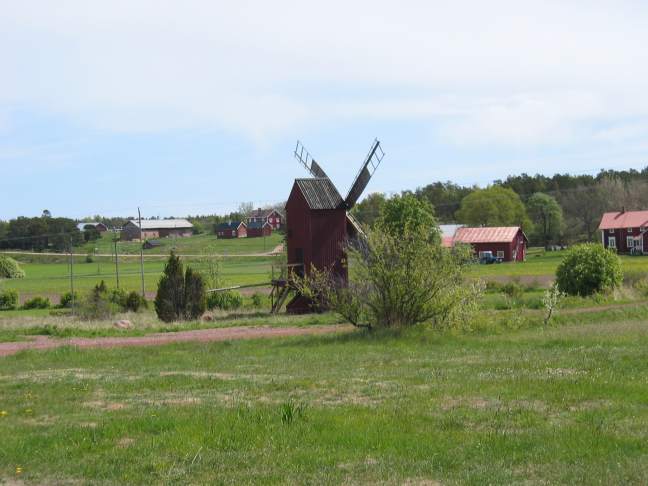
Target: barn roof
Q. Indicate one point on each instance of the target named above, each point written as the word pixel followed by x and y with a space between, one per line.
pixel 262 213
pixel 153 224
pixel 257 224
pixel 496 234
pixel 624 219
pixel 320 193
pixel 232 225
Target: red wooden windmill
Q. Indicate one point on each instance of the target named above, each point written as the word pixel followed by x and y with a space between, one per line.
pixel 318 222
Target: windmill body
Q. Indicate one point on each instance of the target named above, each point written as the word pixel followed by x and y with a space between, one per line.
pixel 318 223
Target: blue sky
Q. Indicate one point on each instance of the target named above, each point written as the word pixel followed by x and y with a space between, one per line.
pixel 194 107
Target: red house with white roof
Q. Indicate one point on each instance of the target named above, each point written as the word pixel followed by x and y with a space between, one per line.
pixel 625 231
pixel 506 242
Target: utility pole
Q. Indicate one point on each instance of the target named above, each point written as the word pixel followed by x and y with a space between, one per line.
pixel 139 216
pixel 72 276
pixel 116 260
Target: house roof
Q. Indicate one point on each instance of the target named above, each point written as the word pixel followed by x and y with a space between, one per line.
pixel 625 219
pixel 152 224
pixel 320 193
pixel 257 224
pixel 263 213
pixel 231 225
pixel 496 234
pixel 447 233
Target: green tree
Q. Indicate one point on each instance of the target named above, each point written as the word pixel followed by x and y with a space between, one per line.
pixel 368 211
pixel 587 269
pixel 493 206
pixel 407 216
pixel 180 294
pixel 547 217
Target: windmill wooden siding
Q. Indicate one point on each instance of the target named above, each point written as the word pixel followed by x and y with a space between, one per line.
pixel 316 232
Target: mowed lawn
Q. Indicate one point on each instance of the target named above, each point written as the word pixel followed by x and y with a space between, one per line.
pixel 568 405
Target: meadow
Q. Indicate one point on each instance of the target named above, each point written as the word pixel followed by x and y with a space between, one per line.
pixel 562 405
pixel 194 245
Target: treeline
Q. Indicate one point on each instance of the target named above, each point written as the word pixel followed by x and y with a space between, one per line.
pixel 39 233
pixel 552 210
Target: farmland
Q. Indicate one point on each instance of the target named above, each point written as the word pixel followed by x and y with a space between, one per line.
pixel 562 405
pixel 194 245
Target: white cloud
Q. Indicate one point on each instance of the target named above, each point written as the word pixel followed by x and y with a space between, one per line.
pixel 505 73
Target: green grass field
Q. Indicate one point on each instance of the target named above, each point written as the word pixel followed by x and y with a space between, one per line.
pixel 566 405
pixel 52 279
pixel 194 245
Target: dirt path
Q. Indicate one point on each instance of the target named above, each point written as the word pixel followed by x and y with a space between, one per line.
pixel 203 336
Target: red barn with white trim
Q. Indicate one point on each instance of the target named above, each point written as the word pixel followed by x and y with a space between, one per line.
pixel 625 231
pixel 506 242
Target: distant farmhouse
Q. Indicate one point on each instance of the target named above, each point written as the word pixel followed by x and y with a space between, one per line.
pixel 156 228
pixel 100 227
pixel 231 229
pixel 259 228
pixel 506 242
pixel 625 231
pixel 271 216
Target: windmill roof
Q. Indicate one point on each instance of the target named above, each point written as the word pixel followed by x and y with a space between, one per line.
pixel 320 193
pixel 626 219
pixel 496 234
pixel 163 223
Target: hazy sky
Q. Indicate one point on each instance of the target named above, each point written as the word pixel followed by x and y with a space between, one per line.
pixel 187 106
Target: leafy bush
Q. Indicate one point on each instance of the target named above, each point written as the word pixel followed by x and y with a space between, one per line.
pixel 226 300
pixel 513 290
pixel 9 268
pixel 37 303
pixel 98 303
pixel 89 258
pixel 180 294
pixel 257 300
pixel 134 302
pixel 398 280
pixel 8 299
pixel 587 269
pixel 67 299
pixel 118 297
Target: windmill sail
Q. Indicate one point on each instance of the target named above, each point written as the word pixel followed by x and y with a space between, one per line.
pixel 368 168
pixel 305 159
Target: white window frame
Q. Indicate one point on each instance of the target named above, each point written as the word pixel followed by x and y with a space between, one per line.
pixel 630 241
pixel 629 230
pixel 500 253
pixel 484 253
pixel 611 231
pixel 612 242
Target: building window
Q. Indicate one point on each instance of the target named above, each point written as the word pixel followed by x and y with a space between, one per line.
pixel 611 242
pixel 233 232
pixel 629 230
pixel 500 254
pixel 611 231
pixel 630 241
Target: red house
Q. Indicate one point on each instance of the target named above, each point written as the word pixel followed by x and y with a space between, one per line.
pixel 257 229
pixel 506 242
pixel 316 231
pixel 231 229
pixel 625 231
pixel 270 216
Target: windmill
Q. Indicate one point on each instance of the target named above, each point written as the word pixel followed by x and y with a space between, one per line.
pixel 319 224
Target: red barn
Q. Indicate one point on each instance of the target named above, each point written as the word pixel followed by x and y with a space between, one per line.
pixel 625 231
pixel 257 229
pixel 231 229
pixel 506 242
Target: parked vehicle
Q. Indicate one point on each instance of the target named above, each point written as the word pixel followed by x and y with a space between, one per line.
pixel 487 257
